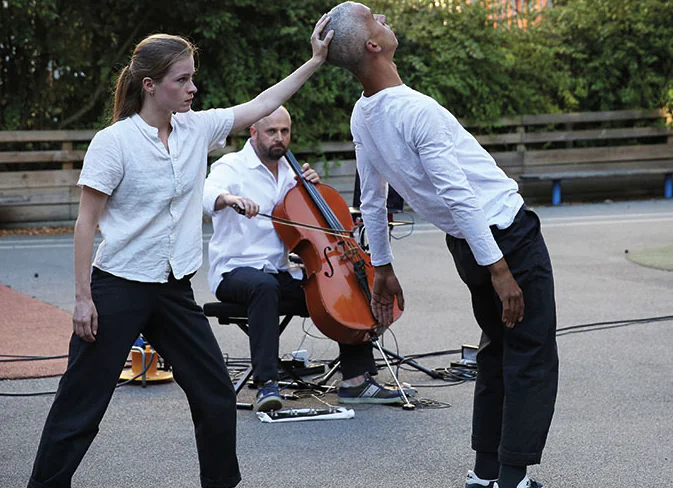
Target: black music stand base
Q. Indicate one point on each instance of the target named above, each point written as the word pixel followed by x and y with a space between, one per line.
pixel 410 362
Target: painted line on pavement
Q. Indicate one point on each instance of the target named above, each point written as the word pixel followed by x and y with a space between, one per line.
pixel 551 222
pixel 36 242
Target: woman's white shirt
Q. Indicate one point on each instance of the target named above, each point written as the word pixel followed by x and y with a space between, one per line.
pixel 152 222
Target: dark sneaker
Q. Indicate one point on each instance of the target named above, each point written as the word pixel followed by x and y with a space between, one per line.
pixel 268 397
pixel 526 482
pixel 474 481
pixel 371 392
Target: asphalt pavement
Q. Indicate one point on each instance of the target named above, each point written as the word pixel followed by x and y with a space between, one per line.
pixel 613 425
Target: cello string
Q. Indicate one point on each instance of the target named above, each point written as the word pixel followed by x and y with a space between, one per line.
pixel 317 198
pixel 326 211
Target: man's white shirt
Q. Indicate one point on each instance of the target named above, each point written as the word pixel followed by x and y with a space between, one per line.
pixel 407 139
pixel 238 241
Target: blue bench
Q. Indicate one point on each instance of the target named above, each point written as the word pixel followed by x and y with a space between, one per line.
pixel 557 177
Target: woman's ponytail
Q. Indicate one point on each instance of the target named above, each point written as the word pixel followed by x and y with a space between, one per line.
pixel 128 95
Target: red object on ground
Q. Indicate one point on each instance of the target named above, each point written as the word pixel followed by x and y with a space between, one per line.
pixel 29 327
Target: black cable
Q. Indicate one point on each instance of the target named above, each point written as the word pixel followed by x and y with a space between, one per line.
pixel 306 332
pixel 39 393
pixel 429 403
pixel 19 356
pixel 147 367
pixel 411 222
pixel 574 329
pixel 446 352
pixel 453 375
pixel 456 375
pixel 14 358
pixel 304 385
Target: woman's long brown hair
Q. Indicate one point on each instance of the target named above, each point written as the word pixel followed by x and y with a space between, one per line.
pixel 152 58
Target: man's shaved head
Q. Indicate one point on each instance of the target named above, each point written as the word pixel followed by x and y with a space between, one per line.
pixel 347 48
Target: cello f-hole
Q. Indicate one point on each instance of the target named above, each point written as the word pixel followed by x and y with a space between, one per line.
pixel 331 268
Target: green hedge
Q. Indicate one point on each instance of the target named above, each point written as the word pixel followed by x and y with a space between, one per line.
pixel 58 59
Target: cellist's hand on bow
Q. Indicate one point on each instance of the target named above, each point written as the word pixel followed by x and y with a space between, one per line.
pixel 247 206
pixel 310 174
pixel 386 289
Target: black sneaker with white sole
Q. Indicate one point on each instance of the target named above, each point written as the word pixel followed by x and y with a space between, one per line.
pixel 526 482
pixel 369 391
pixel 474 481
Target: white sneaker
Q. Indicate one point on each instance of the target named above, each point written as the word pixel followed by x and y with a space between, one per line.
pixel 474 481
pixel 526 482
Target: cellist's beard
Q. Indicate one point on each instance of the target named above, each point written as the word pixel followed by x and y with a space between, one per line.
pixel 276 152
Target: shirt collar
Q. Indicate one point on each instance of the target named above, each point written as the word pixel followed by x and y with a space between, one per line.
pixel 147 128
pixel 380 93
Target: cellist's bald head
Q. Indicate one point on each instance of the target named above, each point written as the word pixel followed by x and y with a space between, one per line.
pixel 271 136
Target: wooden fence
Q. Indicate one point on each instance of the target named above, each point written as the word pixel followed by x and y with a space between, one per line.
pixel 616 155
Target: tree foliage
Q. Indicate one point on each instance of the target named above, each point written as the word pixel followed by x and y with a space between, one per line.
pixel 610 54
pixel 455 55
pixel 59 58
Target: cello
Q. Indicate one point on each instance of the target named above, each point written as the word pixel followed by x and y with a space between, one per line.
pixel 339 272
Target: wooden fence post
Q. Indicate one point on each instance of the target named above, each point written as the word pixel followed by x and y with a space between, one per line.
pixel 521 130
pixel 668 118
pixel 66 147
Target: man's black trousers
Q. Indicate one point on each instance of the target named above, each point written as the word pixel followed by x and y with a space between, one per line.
pixel 517 379
pixel 262 293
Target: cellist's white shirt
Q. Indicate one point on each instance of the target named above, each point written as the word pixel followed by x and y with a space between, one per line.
pixel 238 241
pixel 407 139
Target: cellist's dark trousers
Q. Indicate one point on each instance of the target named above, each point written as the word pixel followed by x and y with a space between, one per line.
pixel 176 327
pixel 517 379
pixel 262 293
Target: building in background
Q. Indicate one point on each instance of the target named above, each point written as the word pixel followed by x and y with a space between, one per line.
pixel 515 13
